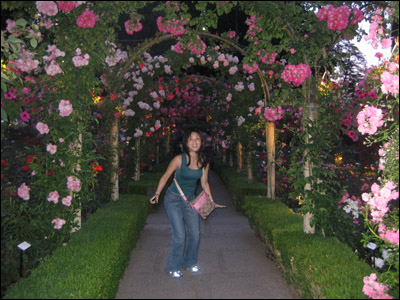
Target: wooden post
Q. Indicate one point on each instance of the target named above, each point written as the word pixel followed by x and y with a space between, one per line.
pixel 250 177
pixel 270 136
pixel 114 137
pixel 307 171
pixel 137 163
pixel 240 157
pixel 77 152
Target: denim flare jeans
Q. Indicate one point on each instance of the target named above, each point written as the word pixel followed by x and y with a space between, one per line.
pixel 180 213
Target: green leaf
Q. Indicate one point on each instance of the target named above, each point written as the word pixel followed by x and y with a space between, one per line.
pixel 34 43
pixel 21 22
pixel 3 87
pixel 4 114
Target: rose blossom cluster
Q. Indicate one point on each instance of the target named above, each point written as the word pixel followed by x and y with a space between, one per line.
pixel 65 108
pixel 377 31
pixel 178 47
pixel 67 6
pixel 23 191
pixel 199 47
pixel 379 198
pixel 53 68
pixel 390 82
pixel 273 114
pixel 59 223
pixel 87 19
pixel 369 119
pixel 174 26
pixel 53 197
pixel 266 57
pixel 42 128
pixel 73 184
pixel 79 60
pixel 296 74
pixel 338 18
pixel 250 69
pixel 25 61
pixel 48 8
pixel 133 25
pixel 253 28
pixel 374 289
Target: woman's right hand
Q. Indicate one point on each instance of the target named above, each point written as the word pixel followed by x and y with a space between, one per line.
pixel 154 199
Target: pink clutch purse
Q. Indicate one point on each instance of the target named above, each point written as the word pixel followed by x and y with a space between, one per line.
pixel 202 203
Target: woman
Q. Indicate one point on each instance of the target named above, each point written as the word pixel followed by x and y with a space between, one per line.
pixel 188 167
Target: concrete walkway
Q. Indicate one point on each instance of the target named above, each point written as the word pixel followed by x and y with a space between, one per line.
pixel 231 258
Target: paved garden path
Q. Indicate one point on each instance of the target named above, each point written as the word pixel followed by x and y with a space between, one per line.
pixel 232 260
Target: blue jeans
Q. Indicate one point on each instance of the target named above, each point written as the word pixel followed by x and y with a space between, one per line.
pixel 180 213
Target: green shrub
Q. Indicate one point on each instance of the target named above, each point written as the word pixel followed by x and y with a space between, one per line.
pixel 317 266
pixel 94 260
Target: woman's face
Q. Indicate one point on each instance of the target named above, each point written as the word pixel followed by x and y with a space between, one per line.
pixel 194 142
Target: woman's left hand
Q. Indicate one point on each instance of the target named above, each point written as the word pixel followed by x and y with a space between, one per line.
pixel 219 206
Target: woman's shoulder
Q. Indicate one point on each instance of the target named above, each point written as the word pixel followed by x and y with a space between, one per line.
pixel 177 160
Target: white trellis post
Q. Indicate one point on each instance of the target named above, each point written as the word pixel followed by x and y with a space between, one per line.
pixel 114 137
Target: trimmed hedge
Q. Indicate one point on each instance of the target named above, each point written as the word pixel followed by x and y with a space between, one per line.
pixel 317 266
pixel 92 263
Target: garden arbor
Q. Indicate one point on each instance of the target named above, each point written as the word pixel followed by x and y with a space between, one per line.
pixel 134 57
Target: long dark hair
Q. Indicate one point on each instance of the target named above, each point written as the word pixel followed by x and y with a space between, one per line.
pixel 202 158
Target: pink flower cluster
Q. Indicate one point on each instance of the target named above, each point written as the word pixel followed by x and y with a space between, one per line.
pixel 73 184
pixel 87 19
pixel 53 68
pixel 178 47
pixel 379 199
pixel 253 28
pixel 273 114
pixel 43 128
pixel 390 83
pixel 59 223
pixel 25 62
pixel 67 6
pixel 79 60
pixel 48 8
pixel 198 47
pixel 338 18
pixel 296 74
pixel 133 25
pixel 267 58
pixel 53 197
pixel 65 108
pixel 67 201
pixel 23 191
pixel 174 26
pixel 369 120
pixel 377 31
pixel 231 34
pixel 374 289
pixel 52 149
pixel 389 234
pixel 250 69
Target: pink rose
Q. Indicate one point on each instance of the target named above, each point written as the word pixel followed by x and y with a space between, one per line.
pixel 58 223
pixel 51 148
pixel 23 191
pixel 67 201
pixel 65 108
pixel 47 7
pixel 43 128
pixel 73 184
pixel 87 19
pixel 53 197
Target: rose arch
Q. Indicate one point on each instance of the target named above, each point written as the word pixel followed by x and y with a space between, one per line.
pixel 136 55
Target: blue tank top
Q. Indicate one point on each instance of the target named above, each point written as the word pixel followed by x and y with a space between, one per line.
pixel 187 178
